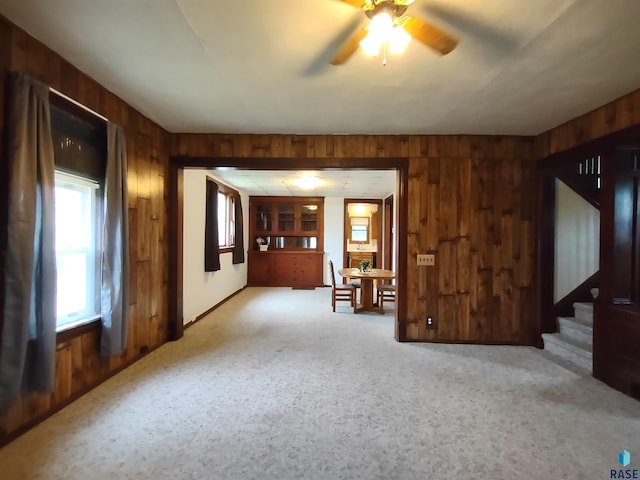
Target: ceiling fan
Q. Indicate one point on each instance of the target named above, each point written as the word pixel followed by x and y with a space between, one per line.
pixel 390 30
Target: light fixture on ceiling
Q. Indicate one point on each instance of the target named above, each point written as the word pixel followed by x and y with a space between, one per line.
pixel 360 209
pixel 308 181
pixel 386 35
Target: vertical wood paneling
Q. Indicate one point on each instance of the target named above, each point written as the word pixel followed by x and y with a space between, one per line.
pixel 431 238
pixel 617 115
pixel 63 373
pixel 475 214
pixel 77 378
pixel 79 365
pixel 465 207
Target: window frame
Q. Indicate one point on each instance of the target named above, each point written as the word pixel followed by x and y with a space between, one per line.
pixel 93 251
pixel 229 195
pixel 71 120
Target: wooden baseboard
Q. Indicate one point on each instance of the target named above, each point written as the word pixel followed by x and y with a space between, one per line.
pixel 9 437
pixel 209 310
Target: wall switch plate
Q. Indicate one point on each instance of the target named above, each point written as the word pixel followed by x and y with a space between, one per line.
pixel 426 259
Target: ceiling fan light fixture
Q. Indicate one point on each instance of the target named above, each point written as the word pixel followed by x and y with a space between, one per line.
pixel 399 40
pixel 380 29
pixel 384 33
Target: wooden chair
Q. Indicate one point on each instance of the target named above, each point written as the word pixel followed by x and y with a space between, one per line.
pixel 386 292
pixel 341 291
pixel 356 283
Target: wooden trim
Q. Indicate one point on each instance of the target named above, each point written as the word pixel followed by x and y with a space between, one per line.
pixel 582 293
pixel 223 187
pixel 71 333
pixel 578 188
pixel 387 206
pixel 176 248
pixel 402 187
pixel 627 136
pixel 546 253
pixel 9 437
pixel 290 163
pixel 209 310
pixel 347 227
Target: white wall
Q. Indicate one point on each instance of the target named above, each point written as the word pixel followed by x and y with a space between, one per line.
pixel 577 243
pixel 202 290
pixel 333 235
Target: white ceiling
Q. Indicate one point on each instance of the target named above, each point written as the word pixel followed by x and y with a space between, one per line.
pixel 335 183
pixel 249 66
pixel 521 67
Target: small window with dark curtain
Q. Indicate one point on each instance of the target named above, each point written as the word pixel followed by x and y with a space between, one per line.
pixel 223 225
pixel 226 218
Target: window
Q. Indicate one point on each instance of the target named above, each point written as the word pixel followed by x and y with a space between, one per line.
pixel 359 233
pixel 78 274
pixel 79 148
pixel 226 219
pixel 359 229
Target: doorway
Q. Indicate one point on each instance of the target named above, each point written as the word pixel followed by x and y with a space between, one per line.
pixel 176 170
pixel 362 237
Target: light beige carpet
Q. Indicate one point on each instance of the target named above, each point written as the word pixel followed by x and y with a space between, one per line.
pixel 273 385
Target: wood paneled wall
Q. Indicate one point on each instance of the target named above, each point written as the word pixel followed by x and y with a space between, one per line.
pixel 470 203
pixel 612 117
pixel 78 363
pixel 616 356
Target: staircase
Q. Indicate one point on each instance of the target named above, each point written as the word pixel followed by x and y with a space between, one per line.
pixel 572 345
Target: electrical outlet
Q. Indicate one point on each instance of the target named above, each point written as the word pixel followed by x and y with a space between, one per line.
pixel 426 259
pixel 431 323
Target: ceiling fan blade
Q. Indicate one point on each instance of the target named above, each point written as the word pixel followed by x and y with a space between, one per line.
pixel 431 36
pixel 354 3
pixel 349 47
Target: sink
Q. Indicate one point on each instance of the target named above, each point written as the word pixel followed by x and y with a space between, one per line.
pixel 367 249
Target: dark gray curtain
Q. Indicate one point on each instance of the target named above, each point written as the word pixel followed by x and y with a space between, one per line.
pixel 115 256
pixel 27 352
pixel 211 241
pixel 238 248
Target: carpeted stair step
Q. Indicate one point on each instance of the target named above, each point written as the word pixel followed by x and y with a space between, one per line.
pixel 581 334
pixel 566 353
pixel 584 313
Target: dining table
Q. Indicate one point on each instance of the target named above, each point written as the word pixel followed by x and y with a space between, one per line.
pixel 367 278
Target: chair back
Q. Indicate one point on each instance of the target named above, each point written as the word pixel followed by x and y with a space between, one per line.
pixel 333 275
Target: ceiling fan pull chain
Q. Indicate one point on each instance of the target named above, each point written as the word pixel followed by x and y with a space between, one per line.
pixel 384 54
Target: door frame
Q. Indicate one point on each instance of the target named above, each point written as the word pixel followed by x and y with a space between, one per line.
pixel 345 229
pixel 177 164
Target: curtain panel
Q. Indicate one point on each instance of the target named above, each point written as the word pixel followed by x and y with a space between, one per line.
pixel 27 352
pixel 211 240
pixel 115 254
pixel 238 247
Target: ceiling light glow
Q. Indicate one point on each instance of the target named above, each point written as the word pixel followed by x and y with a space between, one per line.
pixel 308 181
pixel 384 34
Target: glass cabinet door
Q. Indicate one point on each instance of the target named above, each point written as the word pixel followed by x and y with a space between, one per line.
pixel 308 218
pixel 264 220
pixel 286 218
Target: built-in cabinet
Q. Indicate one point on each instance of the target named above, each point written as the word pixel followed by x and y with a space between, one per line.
pixel 287 241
